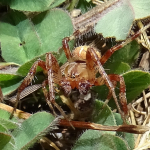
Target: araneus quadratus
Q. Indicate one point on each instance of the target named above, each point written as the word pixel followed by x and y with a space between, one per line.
pixel 79 72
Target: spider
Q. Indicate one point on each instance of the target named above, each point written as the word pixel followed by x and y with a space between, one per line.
pixel 79 72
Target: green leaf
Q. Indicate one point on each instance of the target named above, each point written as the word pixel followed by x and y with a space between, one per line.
pixel 24 69
pixel 33 129
pixel 103 114
pixel 118 118
pixel 2 128
pixel 136 81
pixel 88 0
pixel 117 68
pixel 85 6
pixel 52 27
pixel 141 8
pixel 5 123
pixel 116 21
pixel 129 137
pixel 6 115
pixel 8 124
pixel 102 92
pixel 5 138
pixel 111 142
pixel 92 139
pixel 16 28
pixel 56 3
pixel 62 58
pixel 10 145
pixel 28 5
pixel 50 34
pixel 122 59
pixel 28 40
pixel 9 82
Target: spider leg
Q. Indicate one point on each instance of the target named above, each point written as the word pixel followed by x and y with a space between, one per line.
pixel 67 49
pixel 90 66
pixel 54 76
pixel 45 91
pixel 91 53
pixel 100 81
pixel 107 55
pixel 114 78
pixel 91 69
pixel 122 94
pixel 27 80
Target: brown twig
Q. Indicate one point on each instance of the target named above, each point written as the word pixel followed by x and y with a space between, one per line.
pixel 18 113
pixel 136 129
pixel 87 21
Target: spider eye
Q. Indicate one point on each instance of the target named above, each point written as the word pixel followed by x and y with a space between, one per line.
pixel 84 87
pixel 66 87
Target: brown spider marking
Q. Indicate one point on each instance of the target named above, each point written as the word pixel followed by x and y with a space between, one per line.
pixel 79 72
